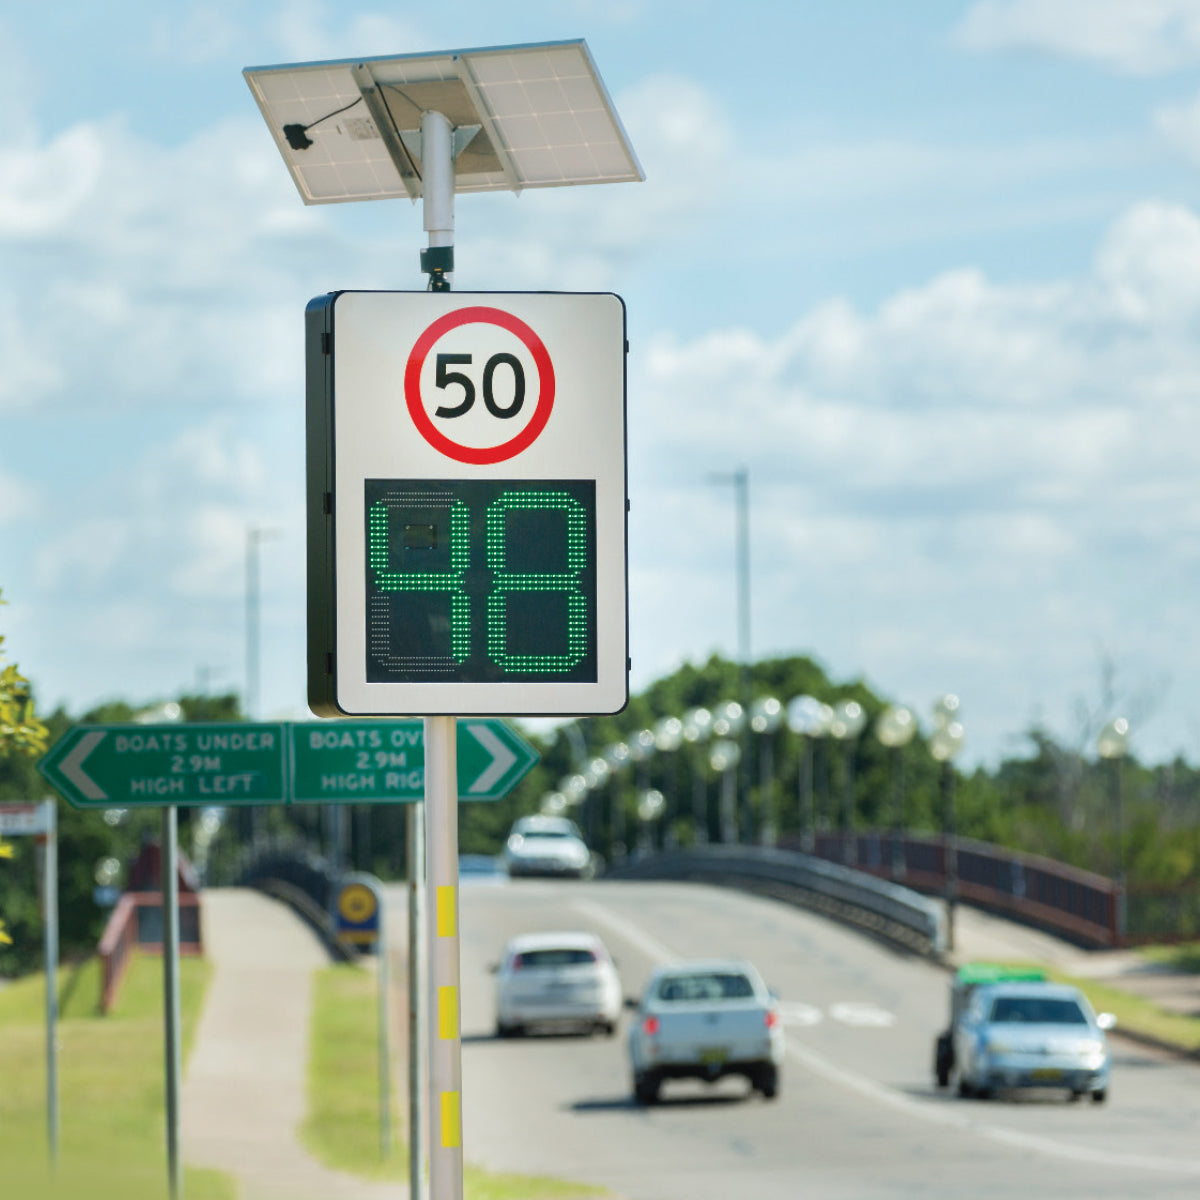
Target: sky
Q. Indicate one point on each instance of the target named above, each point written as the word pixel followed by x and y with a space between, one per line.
pixel 929 272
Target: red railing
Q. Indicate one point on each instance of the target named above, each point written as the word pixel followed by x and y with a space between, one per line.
pixel 137 923
pixel 1076 904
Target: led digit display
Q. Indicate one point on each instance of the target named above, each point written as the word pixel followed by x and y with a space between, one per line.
pixel 480 581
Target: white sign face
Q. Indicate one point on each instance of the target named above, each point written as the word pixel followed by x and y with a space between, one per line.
pixel 476 517
pixel 26 819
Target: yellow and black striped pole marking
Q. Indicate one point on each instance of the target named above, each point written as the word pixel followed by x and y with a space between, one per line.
pixel 445 1042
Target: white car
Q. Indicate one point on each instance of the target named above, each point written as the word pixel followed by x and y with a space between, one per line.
pixel 557 980
pixel 705 1020
pixel 541 845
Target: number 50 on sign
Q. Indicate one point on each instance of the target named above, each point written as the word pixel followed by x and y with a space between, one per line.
pixel 466 503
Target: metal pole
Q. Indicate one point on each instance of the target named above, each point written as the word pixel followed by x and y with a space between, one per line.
pixel 729 823
pixel 850 845
pixel 951 852
pixel 50 937
pixel 699 802
pixel 415 855
pixel 252 538
pixel 1122 902
pixel 444 1084
pixel 385 1056
pixel 171 1020
pixel 808 820
pixel 444 1040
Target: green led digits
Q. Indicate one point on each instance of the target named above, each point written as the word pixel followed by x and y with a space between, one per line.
pixel 478 581
pixel 379 556
pixel 505 582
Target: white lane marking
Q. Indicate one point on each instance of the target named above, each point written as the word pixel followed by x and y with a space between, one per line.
pixel 626 929
pixel 937 1114
pixel 956 1118
pixel 851 1012
pixel 796 1012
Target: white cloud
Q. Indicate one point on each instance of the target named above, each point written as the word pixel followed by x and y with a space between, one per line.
pixel 1179 125
pixel 1138 37
pixel 196 34
pixel 971 469
pixel 308 30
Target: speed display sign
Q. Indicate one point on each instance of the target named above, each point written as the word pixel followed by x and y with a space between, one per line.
pixel 466 504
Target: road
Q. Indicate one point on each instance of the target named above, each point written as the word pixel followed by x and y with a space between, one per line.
pixel 858 1115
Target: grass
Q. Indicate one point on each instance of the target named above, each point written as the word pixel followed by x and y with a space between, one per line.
pixel 111 1084
pixel 342 1128
pixel 1183 957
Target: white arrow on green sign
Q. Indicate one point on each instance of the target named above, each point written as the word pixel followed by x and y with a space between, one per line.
pixel 117 766
pixel 360 762
pixel 318 762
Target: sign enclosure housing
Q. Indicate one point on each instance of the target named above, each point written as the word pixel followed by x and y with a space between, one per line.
pixel 467 500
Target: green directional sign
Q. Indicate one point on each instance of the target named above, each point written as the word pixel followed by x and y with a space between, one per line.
pixel 115 766
pixel 361 762
pixel 315 762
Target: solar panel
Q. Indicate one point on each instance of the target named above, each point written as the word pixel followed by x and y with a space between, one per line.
pixel 524 116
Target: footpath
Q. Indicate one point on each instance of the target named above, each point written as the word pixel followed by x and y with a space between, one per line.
pixel 244 1093
pixel 245 1086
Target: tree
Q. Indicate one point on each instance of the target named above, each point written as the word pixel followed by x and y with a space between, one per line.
pixel 20 731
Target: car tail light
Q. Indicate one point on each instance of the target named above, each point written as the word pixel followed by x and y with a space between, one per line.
pixel 518 962
pixel 650 1026
pixel 771 1019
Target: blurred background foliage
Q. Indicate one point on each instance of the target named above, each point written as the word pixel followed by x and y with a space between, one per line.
pixel 1047 798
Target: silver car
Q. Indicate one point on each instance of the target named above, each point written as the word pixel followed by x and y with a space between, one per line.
pixel 1032 1035
pixel 543 845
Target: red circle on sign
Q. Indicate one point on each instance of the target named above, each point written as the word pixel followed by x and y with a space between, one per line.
pixel 479 455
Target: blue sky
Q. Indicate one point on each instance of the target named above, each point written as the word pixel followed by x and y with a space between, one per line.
pixel 930 272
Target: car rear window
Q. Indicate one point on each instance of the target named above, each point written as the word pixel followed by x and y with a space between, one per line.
pixel 564 956
pixel 1036 1010
pixel 714 985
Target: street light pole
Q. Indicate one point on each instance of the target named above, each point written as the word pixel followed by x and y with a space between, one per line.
pixel 255 535
pixel 1113 743
pixel 741 486
pixel 944 744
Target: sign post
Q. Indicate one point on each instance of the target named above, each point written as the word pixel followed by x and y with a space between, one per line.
pixel 466 455
pixel 41 821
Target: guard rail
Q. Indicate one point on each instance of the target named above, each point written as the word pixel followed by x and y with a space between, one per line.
pixel 894 913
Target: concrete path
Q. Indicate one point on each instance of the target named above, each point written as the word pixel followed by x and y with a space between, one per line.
pixel 245 1083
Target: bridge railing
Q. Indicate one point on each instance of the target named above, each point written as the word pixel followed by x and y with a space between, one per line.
pixel 1072 903
pixel 887 909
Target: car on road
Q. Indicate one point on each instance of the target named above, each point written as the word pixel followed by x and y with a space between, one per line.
pixel 1032 1035
pixel 549 846
pixel 481 868
pixel 706 1020
pixel 554 981
pixel 966 979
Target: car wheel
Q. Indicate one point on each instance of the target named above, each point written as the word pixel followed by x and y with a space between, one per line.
pixel 608 1028
pixel 505 1030
pixel 965 1090
pixel 1075 1096
pixel 1099 1097
pixel 766 1080
pixel 943 1060
pixel 645 1088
